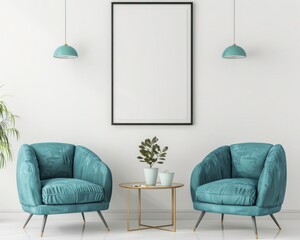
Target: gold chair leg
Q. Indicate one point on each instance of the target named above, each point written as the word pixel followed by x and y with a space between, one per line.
pixel 83 217
pixel 254 225
pixel 103 220
pixel 28 219
pixel 274 219
pixel 44 224
pixel 199 220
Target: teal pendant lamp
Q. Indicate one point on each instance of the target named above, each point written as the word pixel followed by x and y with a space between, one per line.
pixel 234 51
pixel 65 51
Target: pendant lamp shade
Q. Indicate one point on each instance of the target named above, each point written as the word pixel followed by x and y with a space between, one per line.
pixel 65 51
pixel 234 51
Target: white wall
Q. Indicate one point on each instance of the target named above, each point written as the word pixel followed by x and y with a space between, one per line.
pixel 254 99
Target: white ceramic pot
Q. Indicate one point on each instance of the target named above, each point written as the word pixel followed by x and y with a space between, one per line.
pixel 151 176
pixel 166 178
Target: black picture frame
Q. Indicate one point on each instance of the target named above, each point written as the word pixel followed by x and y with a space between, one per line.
pixel 191 105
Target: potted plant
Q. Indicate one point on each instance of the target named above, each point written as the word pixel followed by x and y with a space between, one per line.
pixel 151 153
pixel 7 129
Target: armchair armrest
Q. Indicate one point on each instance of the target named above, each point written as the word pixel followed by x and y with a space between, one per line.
pixel 89 167
pixel 272 181
pixel 215 166
pixel 28 177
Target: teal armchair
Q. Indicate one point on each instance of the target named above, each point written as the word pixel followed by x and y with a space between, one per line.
pixel 56 178
pixel 243 179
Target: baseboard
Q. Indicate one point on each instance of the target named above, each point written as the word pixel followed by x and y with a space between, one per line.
pixel 121 214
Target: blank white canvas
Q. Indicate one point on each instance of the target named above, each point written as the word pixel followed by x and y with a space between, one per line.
pixel 152 63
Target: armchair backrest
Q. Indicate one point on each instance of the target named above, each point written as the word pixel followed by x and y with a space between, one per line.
pixel 55 160
pixel 248 159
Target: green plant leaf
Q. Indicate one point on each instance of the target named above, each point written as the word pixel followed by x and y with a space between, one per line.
pixel 139 157
pixel 160 162
pixel 144 152
pixel 165 149
pixel 158 148
pixel 7 128
pixel 154 140
pixel 154 149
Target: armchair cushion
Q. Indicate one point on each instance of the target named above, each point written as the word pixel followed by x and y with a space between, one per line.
pixel 248 159
pixel 55 160
pixel 230 191
pixel 70 191
pixel 89 167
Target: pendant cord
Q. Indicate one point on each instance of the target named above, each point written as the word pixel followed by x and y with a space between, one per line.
pixel 234 22
pixel 65 22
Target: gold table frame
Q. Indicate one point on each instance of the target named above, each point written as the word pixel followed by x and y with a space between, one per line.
pixel 142 186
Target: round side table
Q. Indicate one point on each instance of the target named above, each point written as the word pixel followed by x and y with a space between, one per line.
pixel 139 186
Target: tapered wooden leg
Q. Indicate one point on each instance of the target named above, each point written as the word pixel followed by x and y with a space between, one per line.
pixel 222 218
pixel 44 224
pixel 254 225
pixel 199 220
pixel 28 219
pixel 274 219
pixel 103 220
pixel 83 217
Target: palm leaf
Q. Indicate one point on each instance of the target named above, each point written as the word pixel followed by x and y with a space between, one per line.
pixel 7 129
